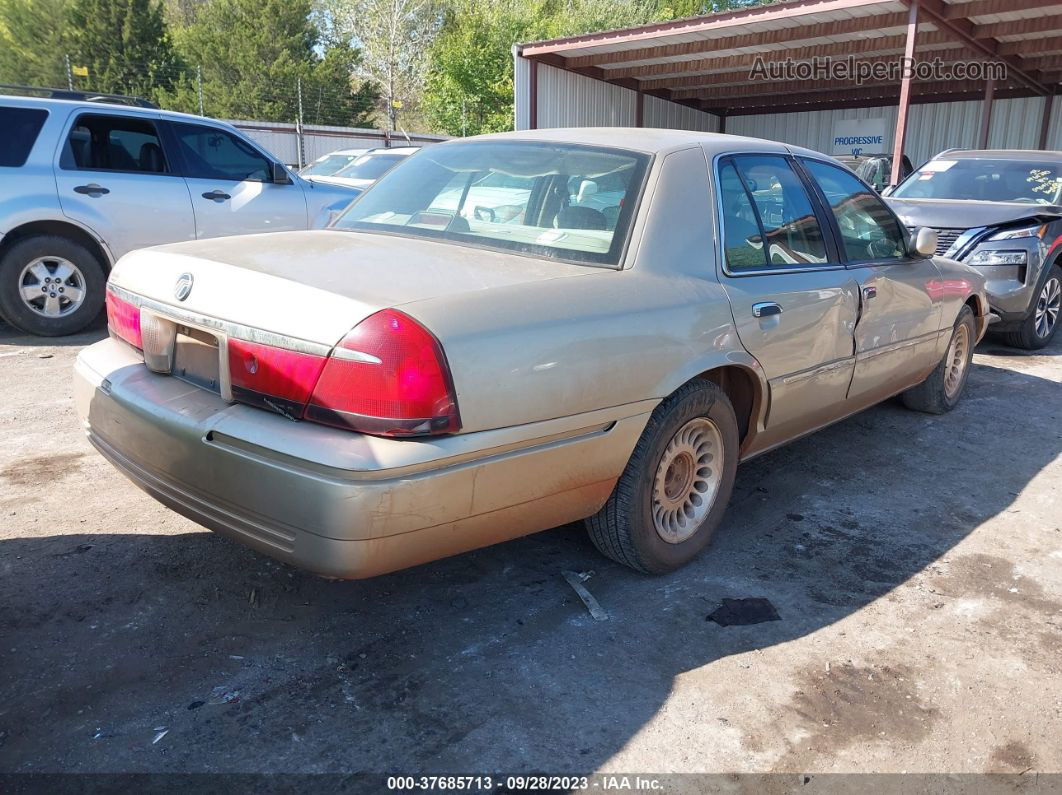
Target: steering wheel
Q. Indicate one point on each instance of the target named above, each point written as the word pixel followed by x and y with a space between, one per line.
pixel 484 213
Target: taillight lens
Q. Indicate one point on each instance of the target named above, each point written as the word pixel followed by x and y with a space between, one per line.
pixel 274 378
pixel 388 376
pixel 123 319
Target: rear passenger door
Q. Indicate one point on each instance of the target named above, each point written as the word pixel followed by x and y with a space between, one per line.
pixel 231 184
pixel 896 336
pixel 115 177
pixel 794 302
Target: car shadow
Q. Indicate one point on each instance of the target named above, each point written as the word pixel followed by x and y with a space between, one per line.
pixel 488 661
pixel 11 337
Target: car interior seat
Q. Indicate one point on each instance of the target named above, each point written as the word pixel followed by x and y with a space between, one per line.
pixel 151 158
pixel 580 218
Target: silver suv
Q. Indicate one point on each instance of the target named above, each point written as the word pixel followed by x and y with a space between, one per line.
pixel 84 182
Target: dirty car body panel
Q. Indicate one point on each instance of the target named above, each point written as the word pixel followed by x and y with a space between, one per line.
pixel 557 364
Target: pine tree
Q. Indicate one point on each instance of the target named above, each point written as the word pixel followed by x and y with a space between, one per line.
pixel 124 43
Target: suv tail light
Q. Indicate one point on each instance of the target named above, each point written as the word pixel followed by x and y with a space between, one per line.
pixel 123 319
pixel 388 376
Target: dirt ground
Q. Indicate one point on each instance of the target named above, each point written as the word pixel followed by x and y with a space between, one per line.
pixel 915 563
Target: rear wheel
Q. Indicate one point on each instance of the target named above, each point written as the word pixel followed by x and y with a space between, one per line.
pixel 50 286
pixel 674 490
pixel 942 390
pixel 1040 326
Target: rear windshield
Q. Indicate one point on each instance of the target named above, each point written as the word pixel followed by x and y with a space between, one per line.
pixel 1022 181
pixel 369 166
pixel 564 201
pixel 328 165
pixel 21 127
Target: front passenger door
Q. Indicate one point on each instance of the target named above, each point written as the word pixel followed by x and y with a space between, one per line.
pixel 231 185
pixel 896 337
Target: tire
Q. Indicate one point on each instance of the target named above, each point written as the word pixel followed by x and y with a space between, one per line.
pixel 1038 329
pixel 55 256
pixel 940 393
pixel 697 416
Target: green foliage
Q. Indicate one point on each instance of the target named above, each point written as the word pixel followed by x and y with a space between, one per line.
pixel 31 42
pixel 253 55
pixel 470 84
pixel 470 87
pixel 124 43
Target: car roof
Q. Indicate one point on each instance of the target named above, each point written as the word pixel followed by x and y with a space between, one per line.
pixel 1002 154
pixel 643 139
pixel 46 102
pixel 393 150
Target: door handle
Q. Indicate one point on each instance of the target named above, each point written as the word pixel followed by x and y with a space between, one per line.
pixel 216 195
pixel 766 309
pixel 870 292
pixel 92 189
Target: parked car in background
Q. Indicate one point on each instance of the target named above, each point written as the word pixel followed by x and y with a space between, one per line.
pixel 875 169
pixel 329 164
pixel 84 182
pixel 419 380
pixel 369 167
pixel 998 211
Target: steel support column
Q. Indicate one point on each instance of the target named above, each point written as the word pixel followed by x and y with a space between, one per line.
pixel 900 137
pixel 532 101
pixel 1045 122
pixel 986 113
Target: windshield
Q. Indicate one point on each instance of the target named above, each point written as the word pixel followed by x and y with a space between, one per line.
pixel 370 166
pixel 1023 181
pixel 556 200
pixel 328 165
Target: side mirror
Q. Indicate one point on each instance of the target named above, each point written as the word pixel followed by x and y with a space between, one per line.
pixel 280 175
pixel 925 241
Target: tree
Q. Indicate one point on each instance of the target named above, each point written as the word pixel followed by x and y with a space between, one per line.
pixel 124 43
pixel 252 70
pixel 470 85
pixel 31 33
pixel 394 37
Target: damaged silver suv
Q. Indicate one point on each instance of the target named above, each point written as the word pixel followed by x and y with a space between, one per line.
pixel 998 211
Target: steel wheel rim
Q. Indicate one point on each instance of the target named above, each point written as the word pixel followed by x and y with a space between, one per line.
pixel 687 480
pixel 957 360
pixel 52 287
pixel 1047 306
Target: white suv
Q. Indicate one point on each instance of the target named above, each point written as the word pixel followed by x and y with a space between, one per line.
pixel 83 182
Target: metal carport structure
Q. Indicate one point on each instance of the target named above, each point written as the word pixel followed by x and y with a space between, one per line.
pixel 695 73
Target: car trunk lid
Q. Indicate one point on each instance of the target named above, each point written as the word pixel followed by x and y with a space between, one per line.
pixel 316 286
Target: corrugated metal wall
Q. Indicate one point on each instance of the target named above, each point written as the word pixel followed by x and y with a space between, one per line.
pixel 319 139
pixel 931 127
pixel 658 112
pixel 566 99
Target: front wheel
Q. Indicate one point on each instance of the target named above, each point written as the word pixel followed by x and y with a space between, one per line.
pixel 674 490
pixel 942 390
pixel 50 286
pixel 1040 326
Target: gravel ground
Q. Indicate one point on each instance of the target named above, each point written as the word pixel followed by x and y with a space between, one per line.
pixel 915 563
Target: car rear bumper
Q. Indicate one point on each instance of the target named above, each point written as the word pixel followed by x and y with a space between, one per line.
pixel 339 503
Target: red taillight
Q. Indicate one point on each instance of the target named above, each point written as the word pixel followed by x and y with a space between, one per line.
pixel 275 378
pixel 388 376
pixel 123 319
